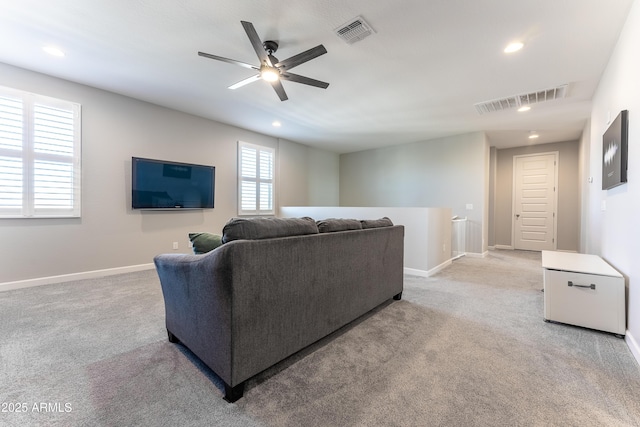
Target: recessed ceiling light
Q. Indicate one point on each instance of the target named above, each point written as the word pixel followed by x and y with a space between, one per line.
pixel 533 136
pixel 513 47
pixel 276 124
pixel 524 108
pixel 52 50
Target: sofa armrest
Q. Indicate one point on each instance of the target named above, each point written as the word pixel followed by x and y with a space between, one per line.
pixel 197 296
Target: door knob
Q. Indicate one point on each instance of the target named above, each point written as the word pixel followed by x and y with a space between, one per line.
pixel 517 216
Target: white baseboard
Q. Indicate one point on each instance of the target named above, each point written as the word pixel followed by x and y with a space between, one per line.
pixel 506 247
pixel 19 284
pixel 416 272
pixel 633 346
pixel 440 267
pixel 477 254
pixel 426 273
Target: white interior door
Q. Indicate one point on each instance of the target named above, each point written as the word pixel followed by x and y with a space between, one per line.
pixel 534 208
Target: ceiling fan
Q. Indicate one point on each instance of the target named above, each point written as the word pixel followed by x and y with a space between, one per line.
pixel 271 69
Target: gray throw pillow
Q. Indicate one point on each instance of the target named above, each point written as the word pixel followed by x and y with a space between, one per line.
pixel 331 225
pixel 267 228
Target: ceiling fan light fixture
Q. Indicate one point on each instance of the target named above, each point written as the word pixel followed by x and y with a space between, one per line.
pixel 269 74
pixel 513 47
pixel 271 69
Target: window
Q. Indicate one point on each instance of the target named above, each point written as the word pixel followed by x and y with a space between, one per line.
pixel 39 156
pixel 256 166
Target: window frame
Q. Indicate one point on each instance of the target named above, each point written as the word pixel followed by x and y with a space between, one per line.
pixel 33 155
pixel 259 181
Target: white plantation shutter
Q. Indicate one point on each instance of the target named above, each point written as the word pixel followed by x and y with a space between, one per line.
pixel 11 188
pixel 256 166
pixel 39 156
pixel 11 184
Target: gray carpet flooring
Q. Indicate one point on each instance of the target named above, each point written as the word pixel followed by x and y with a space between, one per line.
pixel 466 347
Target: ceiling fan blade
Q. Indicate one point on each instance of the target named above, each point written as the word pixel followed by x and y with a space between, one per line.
pixel 301 58
pixel 230 61
pixel 277 86
pixel 245 81
pixel 256 43
pixel 304 80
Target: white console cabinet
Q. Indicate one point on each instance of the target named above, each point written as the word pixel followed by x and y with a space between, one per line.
pixel 583 290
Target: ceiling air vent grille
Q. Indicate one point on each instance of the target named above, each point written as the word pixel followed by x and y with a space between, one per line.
pixel 523 99
pixel 354 30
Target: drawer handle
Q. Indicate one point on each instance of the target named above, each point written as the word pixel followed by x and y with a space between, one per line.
pixel 591 286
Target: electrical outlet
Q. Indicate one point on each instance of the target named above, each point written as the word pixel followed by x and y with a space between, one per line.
pixel 175 245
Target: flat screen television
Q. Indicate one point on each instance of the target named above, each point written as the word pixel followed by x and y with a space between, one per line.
pixel 160 184
pixel 615 145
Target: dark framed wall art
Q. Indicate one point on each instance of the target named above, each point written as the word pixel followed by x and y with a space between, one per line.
pixel 615 145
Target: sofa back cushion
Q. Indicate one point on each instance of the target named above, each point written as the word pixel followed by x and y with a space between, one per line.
pixel 267 228
pixel 375 223
pixel 331 225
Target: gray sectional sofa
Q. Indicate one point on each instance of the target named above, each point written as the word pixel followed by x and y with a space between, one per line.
pixel 274 287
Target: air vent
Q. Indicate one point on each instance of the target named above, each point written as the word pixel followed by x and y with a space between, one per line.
pixel 518 101
pixel 354 30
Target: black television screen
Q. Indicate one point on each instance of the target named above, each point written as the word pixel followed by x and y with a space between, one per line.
pixel 158 184
pixel 615 147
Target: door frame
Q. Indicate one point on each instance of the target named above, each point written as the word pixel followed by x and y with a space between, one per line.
pixel 556 155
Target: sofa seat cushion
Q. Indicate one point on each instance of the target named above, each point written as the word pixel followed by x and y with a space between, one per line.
pixel 204 242
pixel 331 225
pixel 375 223
pixel 267 228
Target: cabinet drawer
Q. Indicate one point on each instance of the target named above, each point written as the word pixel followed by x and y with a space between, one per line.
pixel 587 300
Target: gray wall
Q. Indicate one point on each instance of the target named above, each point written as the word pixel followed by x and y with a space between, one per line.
pixel 109 234
pixel 583 182
pixel 447 172
pixel 308 176
pixel 493 158
pixel 568 211
pixel 612 229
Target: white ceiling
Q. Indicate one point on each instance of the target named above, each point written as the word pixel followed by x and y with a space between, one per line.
pixel 417 78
